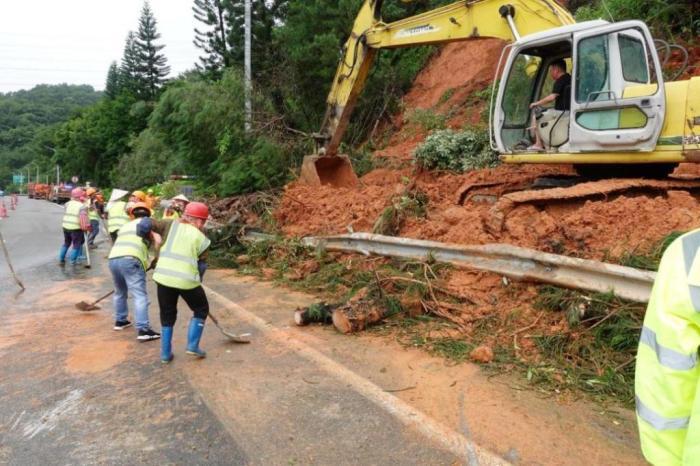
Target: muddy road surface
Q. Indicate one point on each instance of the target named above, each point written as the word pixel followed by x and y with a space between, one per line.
pixel 73 391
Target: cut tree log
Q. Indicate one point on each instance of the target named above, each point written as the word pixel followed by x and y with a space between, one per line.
pixel 316 313
pixel 355 317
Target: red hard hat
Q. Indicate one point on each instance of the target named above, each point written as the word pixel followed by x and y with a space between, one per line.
pixel 77 193
pixel 197 210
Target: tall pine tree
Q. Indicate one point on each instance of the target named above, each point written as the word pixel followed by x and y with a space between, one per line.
pixel 213 39
pixel 112 85
pixel 152 65
pixel 129 74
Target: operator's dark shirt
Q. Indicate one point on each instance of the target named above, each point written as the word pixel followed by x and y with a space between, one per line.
pixel 562 88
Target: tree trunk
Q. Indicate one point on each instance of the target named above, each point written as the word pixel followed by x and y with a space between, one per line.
pixel 355 317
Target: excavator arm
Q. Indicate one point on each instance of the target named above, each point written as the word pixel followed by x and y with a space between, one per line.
pixel 504 19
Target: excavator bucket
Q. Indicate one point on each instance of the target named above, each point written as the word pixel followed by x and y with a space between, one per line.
pixel 335 171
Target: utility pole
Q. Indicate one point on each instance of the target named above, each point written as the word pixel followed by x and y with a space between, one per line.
pixel 248 68
pixel 58 175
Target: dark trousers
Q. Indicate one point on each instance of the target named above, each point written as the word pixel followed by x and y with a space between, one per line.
pixel 196 299
pixel 95 224
pixel 74 237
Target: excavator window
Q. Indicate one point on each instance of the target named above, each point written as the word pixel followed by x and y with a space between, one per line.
pixel 528 80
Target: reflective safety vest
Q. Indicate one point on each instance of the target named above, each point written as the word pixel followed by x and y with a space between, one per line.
pixel 128 243
pixel 71 219
pixel 92 212
pixel 177 259
pixel 117 216
pixel 667 388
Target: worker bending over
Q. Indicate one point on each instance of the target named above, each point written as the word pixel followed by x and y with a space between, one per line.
pixel 176 207
pixel 179 273
pixel 128 262
pixel 667 388
pixel 75 224
pixel 116 217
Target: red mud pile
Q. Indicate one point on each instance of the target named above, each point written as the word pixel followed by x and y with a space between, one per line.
pixel 593 228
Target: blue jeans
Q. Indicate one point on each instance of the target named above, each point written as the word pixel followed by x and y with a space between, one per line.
pixel 130 278
pixel 95 224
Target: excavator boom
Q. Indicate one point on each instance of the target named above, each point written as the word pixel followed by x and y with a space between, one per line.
pixel 504 19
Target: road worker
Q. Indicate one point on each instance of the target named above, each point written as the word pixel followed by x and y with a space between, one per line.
pixel 75 224
pixel 116 217
pixel 151 199
pixel 177 206
pixel 667 380
pixel 94 215
pixel 179 273
pixel 128 262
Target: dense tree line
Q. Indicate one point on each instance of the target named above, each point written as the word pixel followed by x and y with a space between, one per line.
pixel 146 128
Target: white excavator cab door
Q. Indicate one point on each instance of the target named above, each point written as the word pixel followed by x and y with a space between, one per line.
pixel 617 96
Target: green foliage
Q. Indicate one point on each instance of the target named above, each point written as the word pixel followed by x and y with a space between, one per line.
pixel 456 151
pixel 310 57
pixel 27 124
pixel 597 354
pixel 151 63
pixel 428 119
pixel 410 204
pixel 264 167
pixel 651 259
pixel 665 18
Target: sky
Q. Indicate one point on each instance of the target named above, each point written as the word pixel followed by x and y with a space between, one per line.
pixel 74 41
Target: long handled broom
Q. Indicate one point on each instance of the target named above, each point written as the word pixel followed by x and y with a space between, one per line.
pixel 9 264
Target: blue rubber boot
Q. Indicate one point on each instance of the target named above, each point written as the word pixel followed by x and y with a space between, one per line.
pixel 194 334
pixel 62 254
pixel 166 347
pixel 74 255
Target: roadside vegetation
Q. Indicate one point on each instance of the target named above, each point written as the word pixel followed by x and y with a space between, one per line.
pixel 557 341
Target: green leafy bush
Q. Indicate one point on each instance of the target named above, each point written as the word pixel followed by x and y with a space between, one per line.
pixel 456 151
pixel 665 18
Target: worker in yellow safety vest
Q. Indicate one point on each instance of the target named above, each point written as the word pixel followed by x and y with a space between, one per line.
pixel 128 262
pixel 75 224
pixel 667 380
pixel 116 217
pixel 178 273
pixel 93 215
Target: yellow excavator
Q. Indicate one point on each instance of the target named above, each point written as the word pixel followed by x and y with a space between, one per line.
pixel 623 119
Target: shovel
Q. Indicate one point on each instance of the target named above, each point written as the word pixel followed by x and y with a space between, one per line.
pixel 83 306
pixel 88 264
pixel 236 338
pixel 9 264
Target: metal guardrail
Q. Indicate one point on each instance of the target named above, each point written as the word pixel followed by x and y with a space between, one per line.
pixel 512 261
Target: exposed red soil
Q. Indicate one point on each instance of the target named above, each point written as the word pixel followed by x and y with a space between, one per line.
pixel 595 228
pixel 459 67
pixel 459 207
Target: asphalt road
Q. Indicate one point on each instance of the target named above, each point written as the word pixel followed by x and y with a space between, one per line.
pixel 73 391
pixel 32 233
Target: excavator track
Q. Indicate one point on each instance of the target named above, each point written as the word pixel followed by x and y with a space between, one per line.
pixel 497 215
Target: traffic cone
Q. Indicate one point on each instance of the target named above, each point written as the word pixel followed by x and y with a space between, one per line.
pixel 3 210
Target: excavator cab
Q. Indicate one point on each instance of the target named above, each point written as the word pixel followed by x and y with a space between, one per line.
pixel 616 99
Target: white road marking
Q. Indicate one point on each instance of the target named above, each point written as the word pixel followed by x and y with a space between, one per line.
pixel 452 441
pixel 17 421
pixel 49 420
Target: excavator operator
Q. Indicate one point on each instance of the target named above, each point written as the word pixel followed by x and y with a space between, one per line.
pixel 561 96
